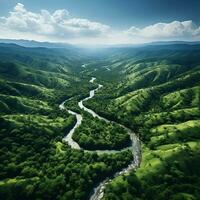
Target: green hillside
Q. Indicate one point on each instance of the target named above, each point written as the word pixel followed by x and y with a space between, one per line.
pixel 153 90
pixel 35 163
pixel 158 97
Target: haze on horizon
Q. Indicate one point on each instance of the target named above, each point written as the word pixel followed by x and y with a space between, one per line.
pixel 100 22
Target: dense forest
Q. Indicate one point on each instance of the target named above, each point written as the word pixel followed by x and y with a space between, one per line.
pixel 97 134
pixel 153 90
pixel 159 98
pixel 35 163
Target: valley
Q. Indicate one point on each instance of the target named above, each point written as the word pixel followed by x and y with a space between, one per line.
pixel 135 143
pixel 124 126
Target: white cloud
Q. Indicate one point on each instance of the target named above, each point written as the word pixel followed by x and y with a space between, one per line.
pixel 19 7
pixel 60 15
pixel 175 30
pixel 61 26
pixel 58 25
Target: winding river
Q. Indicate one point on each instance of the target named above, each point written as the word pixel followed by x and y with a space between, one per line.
pixel 98 191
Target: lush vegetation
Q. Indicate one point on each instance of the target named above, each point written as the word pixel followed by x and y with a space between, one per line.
pixel 170 172
pixel 158 96
pixel 153 90
pixel 35 163
pixel 98 134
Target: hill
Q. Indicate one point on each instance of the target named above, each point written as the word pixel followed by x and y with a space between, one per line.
pixel 156 92
pixel 153 89
pixel 35 163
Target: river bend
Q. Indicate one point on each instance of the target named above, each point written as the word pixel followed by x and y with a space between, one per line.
pixel 98 191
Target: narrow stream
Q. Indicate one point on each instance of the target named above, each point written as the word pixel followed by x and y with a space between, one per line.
pixel 98 191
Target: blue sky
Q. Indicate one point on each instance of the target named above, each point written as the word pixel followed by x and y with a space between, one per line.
pixel 100 21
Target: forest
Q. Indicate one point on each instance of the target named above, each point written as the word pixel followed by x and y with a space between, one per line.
pixel 97 134
pixel 154 91
pixel 159 99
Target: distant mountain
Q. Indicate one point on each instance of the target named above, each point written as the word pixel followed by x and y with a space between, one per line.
pixel 33 43
pixel 173 42
pixel 50 59
pixel 157 43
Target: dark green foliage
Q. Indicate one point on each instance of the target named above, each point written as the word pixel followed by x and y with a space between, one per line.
pixel 156 87
pixel 97 134
pixel 35 163
pixel 153 90
pixel 178 179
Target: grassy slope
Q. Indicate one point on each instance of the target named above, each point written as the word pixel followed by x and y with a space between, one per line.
pixel 159 98
pixel 35 164
pixel 154 92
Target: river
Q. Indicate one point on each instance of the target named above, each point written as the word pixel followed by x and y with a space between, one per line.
pixel 98 191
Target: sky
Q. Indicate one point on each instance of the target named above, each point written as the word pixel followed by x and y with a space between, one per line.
pixel 100 21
